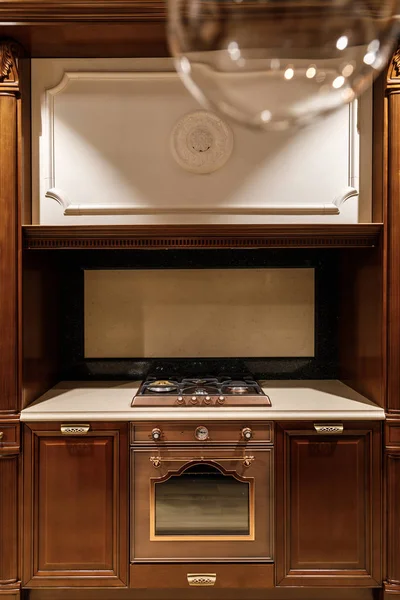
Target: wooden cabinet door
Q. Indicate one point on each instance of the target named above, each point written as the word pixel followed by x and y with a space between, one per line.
pixel 75 506
pixel 328 506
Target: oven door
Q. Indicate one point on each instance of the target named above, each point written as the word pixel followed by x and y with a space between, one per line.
pixel 202 504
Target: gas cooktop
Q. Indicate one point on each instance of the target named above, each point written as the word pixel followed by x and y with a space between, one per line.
pixel 200 392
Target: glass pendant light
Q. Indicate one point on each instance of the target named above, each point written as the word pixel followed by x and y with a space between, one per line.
pixel 276 64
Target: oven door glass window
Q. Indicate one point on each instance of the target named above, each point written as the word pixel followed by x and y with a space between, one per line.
pixel 203 502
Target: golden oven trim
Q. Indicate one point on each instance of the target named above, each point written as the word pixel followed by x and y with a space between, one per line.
pixel 203 538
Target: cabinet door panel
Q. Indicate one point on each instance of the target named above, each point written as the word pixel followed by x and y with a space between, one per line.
pixel 76 509
pixel 328 522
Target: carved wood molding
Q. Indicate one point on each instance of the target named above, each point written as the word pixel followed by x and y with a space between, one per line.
pixel 90 10
pixel 201 236
pixel 393 71
pixel 9 78
pixel 396 63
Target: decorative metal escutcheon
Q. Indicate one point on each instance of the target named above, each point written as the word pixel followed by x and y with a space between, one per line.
pixel 246 461
pixel 202 579
pixel 329 428
pixel 74 429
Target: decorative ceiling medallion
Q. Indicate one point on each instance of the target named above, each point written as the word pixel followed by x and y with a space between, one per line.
pixel 201 142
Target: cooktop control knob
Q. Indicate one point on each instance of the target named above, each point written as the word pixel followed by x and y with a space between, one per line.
pixel 221 399
pixel 194 400
pixel 201 433
pixel 247 433
pixel 156 434
pixel 207 400
pixel 180 400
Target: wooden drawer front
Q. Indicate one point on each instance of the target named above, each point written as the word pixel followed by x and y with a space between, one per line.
pixel 185 432
pixel 9 441
pixel 169 576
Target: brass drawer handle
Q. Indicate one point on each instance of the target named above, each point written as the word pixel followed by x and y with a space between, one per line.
pixel 74 429
pixel 1 435
pixel 201 579
pixel 328 428
pixel 245 460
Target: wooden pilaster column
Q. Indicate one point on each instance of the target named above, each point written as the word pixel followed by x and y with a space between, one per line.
pixel 392 429
pixel 9 329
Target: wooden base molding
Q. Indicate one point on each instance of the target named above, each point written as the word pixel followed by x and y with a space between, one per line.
pixel 205 594
pixel 391 589
pixel 10 592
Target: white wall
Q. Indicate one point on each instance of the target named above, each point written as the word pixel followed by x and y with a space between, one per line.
pixel 102 154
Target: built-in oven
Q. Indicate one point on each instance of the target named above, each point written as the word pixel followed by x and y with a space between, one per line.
pixel 202 492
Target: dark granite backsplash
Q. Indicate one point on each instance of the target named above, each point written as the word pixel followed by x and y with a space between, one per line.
pixel 322 366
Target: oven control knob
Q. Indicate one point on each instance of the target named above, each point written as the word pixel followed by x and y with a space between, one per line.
pixel 247 433
pixel 201 433
pixel 156 434
pixel 221 399
pixel 207 400
pixel 180 400
pixel 194 400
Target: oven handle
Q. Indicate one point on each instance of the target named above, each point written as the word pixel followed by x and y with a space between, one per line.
pixel 246 461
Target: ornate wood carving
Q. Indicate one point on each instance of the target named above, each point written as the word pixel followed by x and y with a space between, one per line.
pixel 9 79
pixel 396 63
pixel 202 236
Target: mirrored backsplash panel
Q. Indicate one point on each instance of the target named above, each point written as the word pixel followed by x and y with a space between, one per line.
pixel 199 313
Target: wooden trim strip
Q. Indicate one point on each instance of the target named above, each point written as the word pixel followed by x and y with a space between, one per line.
pixel 34 11
pixel 201 236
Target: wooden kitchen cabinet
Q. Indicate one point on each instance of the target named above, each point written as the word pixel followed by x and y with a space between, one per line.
pixel 328 506
pixel 75 506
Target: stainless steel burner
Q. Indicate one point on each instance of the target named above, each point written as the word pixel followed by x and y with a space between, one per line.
pixel 238 389
pixel 201 392
pixel 162 386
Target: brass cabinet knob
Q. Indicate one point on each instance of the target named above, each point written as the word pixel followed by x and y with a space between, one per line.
pixel 247 433
pixel 156 434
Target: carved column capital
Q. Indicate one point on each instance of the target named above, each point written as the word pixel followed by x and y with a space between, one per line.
pixel 10 51
pixel 393 72
pixel 396 64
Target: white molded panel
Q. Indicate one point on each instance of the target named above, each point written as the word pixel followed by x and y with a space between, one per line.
pixel 102 154
pixel 199 313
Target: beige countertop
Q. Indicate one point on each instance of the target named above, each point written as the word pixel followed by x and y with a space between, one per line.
pixel 291 400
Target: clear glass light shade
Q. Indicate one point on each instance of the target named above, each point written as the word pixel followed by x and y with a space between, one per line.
pixel 279 63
